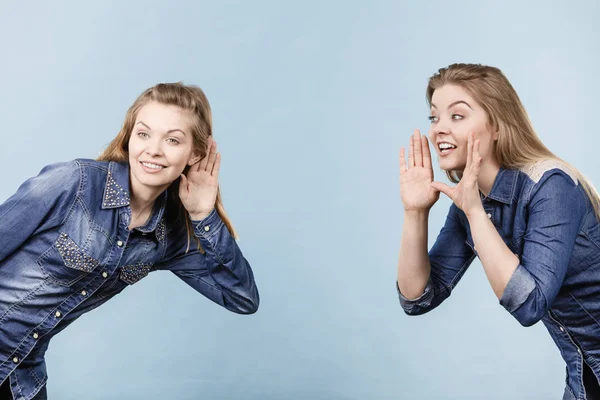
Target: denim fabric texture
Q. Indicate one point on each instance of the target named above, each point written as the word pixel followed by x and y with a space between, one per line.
pixel 66 249
pixel 546 219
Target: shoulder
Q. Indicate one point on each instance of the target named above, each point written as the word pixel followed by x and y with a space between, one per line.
pixel 60 173
pixel 549 176
pixel 90 166
pixel 553 180
pixel 61 179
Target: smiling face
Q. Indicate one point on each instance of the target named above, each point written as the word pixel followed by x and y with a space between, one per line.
pixel 160 147
pixel 454 114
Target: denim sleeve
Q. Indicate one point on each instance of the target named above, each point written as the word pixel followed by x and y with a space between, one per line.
pixel 221 273
pixel 449 258
pixel 556 209
pixel 40 203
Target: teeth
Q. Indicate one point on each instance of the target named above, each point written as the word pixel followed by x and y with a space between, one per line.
pixel 153 166
pixel 444 146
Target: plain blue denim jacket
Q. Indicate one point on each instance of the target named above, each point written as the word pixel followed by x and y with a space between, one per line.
pixel 65 249
pixel 546 219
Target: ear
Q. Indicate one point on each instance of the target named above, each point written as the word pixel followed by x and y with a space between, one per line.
pixel 194 158
pixel 495 135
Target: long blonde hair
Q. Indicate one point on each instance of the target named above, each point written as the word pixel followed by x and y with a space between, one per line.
pixel 518 146
pixel 189 98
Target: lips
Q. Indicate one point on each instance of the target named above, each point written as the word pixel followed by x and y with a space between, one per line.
pixel 151 167
pixel 446 148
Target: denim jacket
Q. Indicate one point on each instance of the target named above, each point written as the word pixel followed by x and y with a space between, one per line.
pixel 65 249
pixel 546 219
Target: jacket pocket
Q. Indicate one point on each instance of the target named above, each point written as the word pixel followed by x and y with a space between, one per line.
pixel 131 274
pixel 66 262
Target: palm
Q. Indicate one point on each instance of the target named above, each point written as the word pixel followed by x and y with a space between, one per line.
pixel 415 180
pixel 466 194
pixel 198 189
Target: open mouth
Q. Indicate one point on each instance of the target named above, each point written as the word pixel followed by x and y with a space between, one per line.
pixel 151 167
pixel 446 148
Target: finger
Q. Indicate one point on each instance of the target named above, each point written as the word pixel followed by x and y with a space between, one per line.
pixel 443 188
pixel 469 150
pixel 426 153
pixel 411 153
pixel 183 184
pixel 418 149
pixel 213 158
pixel 204 162
pixel 476 156
pixel 402 160
pixel 217 165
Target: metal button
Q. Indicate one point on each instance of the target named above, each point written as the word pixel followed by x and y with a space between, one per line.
pixel 104 274
pixel 57 314
pixel 83 293
pixel 562 329
pixel 16 360
pixel 120 243
pixel 35 335
pixel 207 228
pixel 489 215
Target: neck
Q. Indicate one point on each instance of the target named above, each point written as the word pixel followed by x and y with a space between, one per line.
pixel 487 175
pixel 142 197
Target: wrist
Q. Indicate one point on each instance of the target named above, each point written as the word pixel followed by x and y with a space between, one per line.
pixel 199 215
pixel 479 212
pixel 416 214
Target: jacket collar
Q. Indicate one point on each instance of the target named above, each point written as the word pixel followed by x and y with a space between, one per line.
pixel 117 194
pixel 503 189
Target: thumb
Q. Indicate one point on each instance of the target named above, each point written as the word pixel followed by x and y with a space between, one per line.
pixel 442 187
pixel 183 184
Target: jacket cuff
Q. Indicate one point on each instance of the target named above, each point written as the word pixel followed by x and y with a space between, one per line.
pixel 209 226
pixel 421 302
pixel 518 289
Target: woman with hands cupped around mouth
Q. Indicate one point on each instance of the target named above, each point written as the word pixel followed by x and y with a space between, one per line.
pixel 531 218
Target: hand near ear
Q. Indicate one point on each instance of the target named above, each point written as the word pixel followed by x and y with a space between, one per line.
pixel 198 190
pixel 466 193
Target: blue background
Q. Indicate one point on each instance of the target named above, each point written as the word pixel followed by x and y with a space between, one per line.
pixel 311 102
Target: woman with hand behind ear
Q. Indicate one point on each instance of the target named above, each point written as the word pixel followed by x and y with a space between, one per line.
pixel 80 232
pixel 531 218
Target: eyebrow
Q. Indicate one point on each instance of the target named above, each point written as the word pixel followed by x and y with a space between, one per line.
pixel 171 131
pixel 455 103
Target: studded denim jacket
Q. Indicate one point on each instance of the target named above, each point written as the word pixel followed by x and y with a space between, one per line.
pixel 546 219
pixel 65 249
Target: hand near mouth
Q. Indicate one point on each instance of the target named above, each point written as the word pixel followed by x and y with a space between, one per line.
pixel 416 176
pixel 198 190
pixel 466 193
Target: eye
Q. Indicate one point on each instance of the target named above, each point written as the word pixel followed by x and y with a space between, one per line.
pixel 173 141
pixel 457 117
pixel 143 134
pixel 433 118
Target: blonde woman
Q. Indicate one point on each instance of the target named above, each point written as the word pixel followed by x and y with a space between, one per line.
pixel 82 231
pixel 531 218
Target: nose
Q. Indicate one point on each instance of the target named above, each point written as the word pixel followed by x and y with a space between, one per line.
pixel 441 127
pixel 153 147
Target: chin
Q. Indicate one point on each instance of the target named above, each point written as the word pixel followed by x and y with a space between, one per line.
pixel 450 164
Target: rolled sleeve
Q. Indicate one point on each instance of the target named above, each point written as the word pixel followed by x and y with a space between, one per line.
pixel 414 306
pixel 556 209
pixel 449 257
pixel 518 289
